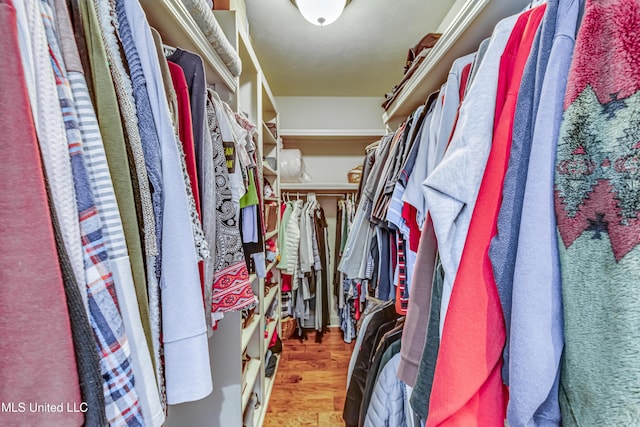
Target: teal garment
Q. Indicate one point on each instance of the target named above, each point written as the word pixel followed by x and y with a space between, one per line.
pixel 600 374
pixel 597 203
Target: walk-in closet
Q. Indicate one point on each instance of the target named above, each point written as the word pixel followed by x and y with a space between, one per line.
pixel 320 213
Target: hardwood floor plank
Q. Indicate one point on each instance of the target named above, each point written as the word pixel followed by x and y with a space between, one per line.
pixel 297 419
pixel 338 402
pixel 330 419
pixel 311 383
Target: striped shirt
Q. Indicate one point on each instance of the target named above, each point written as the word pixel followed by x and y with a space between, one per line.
pixel 122 405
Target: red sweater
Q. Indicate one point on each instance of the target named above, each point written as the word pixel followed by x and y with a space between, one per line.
pixel 186 131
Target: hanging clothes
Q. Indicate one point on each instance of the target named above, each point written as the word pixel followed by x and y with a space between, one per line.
pixel 536 323
pixel 479 376
pixel 231 287
pixel 194 74
pixel 186 378
pixel 307 248
pixel 596 207
pixel 93 85
pixel 109 118
pixel 104 310
pixel 113 234
pixel 26 346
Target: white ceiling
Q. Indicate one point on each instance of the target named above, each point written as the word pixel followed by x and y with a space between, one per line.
pixel 361 54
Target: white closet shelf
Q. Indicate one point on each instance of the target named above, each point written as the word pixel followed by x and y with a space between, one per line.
pixel 267 171
pixel 249 330
pixel 270 266
pixel 268 388
pixel 311 186
pixel 273 324
pixel 172 19
pixel 270 296
pixel 252 371
pixel 472 24
pixel 270 234
pixel 346 134
pixel 245 45
pixel 268 100
pixel 267 136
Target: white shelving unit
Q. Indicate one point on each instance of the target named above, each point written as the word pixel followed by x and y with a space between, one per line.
pixel 249 378
pixel 268 388
pixel 248 332
pixel 267 171
pixel 172 19
pixel 273 293
pixel 474 22
pixel 250 94
pixel 270 234
pixel 312 186
pixel 268 138
pixel 342 134
pixel 255 100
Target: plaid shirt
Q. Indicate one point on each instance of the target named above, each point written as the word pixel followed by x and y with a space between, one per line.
pixel 121 399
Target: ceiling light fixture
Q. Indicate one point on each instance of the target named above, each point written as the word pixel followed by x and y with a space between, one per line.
pixel 321 12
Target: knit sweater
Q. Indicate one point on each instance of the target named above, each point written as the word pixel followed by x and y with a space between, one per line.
pixel 597 193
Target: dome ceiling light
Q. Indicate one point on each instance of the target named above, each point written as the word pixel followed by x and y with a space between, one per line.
pixel 321 12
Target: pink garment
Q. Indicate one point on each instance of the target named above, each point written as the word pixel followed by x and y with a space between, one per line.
pixel 37 359
pixel 286 282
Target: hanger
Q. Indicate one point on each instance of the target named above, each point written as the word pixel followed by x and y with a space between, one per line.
pixel 535 3
pixel 215 95
pixel 168 50
pixel 372 146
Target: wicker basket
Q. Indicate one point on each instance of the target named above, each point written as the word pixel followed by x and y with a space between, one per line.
pixel 288 327
pixel 355 175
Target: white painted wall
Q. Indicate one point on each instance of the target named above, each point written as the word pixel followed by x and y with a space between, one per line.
pixel 332 133
pixel 330 112
pixel 329 161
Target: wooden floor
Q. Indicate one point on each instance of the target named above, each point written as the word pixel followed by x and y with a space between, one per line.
pixel 310 383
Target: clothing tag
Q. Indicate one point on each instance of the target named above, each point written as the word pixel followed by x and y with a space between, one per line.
pixel 230 154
